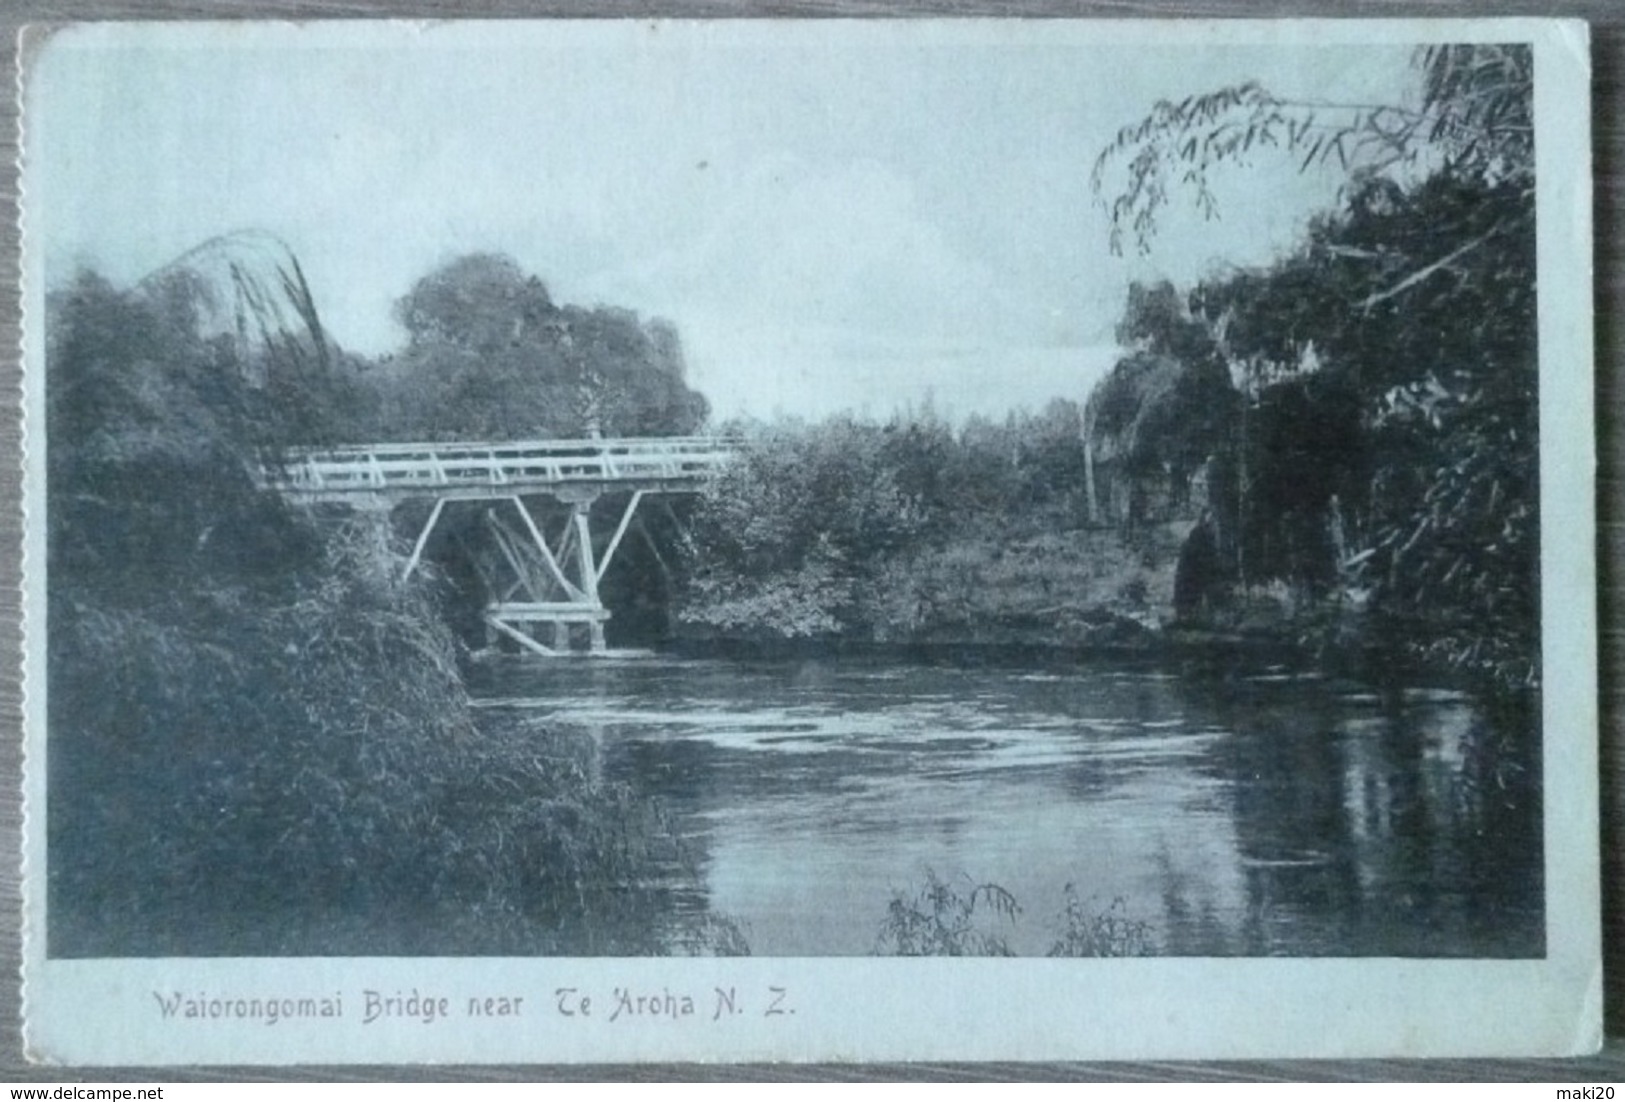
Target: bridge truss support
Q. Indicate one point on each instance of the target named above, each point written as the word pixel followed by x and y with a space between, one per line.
pixel 541 590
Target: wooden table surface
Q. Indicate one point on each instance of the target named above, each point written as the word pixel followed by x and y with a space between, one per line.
pixel 1608 40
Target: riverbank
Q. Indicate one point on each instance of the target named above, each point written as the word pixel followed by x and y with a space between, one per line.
pixel 1080 588
pixel 1073 595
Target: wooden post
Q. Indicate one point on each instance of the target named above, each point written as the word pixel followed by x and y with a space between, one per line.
pixel 654 549
pixel 567 536
pixel 579 511
pixel 505 544
pixel 620 531
pixel 521 638
pixel 1089 466
pixel 423 538
pixel 684 536
pixel 547 554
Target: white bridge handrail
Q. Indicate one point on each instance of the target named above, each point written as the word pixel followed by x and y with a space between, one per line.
pixel 364 468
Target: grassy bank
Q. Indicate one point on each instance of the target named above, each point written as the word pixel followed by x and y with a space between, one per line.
pixel 959 917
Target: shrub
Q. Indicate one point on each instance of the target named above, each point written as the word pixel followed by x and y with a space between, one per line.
pixel 1109 933
pixel 940 920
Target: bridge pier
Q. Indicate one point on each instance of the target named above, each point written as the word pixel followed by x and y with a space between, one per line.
pixel 560 580
pixel 587 570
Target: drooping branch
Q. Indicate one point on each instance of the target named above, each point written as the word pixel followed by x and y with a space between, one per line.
pixel 1428 270
pixel 1474 118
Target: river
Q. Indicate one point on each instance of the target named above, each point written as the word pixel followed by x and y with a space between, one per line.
pixel 1196 810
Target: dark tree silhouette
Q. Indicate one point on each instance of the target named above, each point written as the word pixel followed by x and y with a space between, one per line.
pixel 490 355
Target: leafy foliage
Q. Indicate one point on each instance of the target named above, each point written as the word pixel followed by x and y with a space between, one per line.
pixel 1381 441
pixel 490 356
pixel 259 736
pixel 1475 120
pixel 1425 400
pixel 154 485
pixel 782 535
pixel 909 530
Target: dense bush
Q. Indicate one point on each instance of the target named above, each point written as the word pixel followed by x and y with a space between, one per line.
pixel 260 741
pixel 938 919
pixel 909 530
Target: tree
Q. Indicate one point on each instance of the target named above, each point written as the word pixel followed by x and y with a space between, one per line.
pixel 1162 410
pixel 1388 365
pixel 490 355
pixel 260 741
pixel 157 426
pixel 245 297
pixel 794 530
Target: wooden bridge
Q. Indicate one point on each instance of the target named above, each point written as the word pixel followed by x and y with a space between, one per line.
pixel 535 583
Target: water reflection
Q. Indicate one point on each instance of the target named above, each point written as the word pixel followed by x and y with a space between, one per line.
pixel 1257 813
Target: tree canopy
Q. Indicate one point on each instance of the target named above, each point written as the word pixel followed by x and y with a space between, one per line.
pixel 260 740
pixel 1383 433
pixel 490 355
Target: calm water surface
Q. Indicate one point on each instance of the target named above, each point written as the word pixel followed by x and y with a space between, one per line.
pixel 1242 812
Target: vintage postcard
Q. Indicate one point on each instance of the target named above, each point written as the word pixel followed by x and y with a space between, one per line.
pixel 808 540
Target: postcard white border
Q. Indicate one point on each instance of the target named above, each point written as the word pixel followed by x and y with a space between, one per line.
pixel 875 1009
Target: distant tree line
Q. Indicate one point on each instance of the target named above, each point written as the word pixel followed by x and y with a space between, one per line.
pixel 914 529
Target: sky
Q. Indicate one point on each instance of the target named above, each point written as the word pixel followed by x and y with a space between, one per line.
pixel 835 215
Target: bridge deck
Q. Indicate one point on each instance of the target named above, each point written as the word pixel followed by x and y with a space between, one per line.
pixel 472 469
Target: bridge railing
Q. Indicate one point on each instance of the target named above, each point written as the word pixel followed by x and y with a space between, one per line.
pixel 374 468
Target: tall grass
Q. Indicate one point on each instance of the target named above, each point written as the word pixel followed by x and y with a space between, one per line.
pixel 940 919
pixel 963 918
